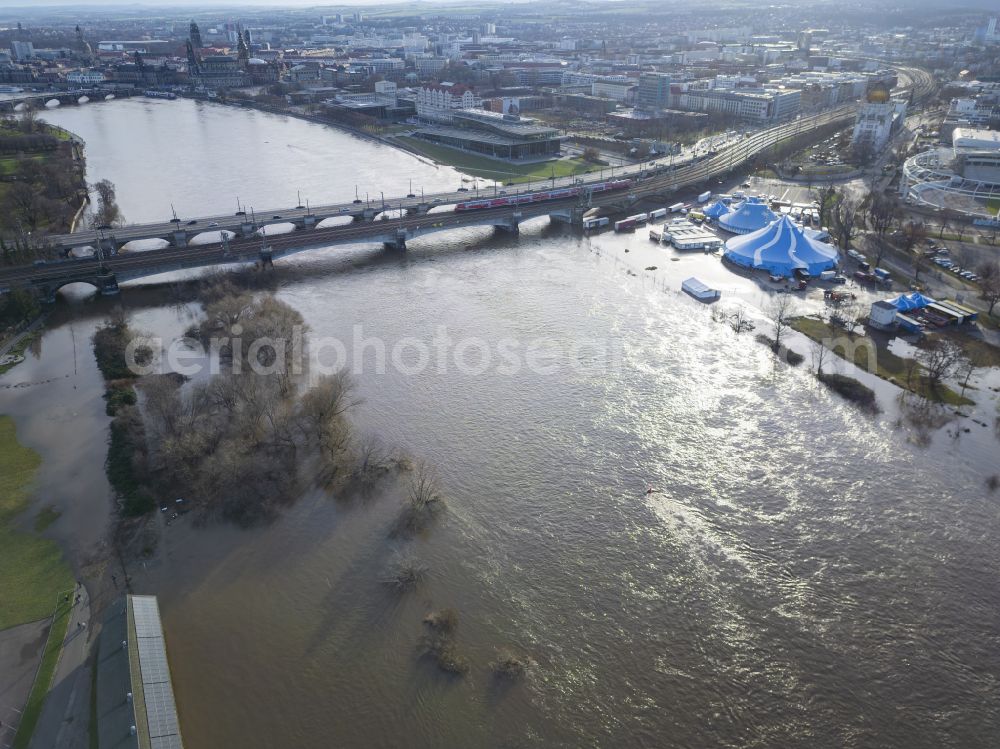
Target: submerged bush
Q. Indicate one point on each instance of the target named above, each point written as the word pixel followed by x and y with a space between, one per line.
pixel 423 501
pixel 444 621
pixel 851 389
pixel 405 573
pixel 508 666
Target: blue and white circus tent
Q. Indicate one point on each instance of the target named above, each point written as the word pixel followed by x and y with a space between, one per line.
pixel 716 210
pixel 749 216
pixel 780 248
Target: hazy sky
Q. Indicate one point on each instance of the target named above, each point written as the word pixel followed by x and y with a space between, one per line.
pixel 206 4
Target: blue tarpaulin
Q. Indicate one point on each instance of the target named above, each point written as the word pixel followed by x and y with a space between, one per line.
pixel 908 302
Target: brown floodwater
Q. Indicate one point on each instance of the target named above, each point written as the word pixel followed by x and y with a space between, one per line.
pixel 805 576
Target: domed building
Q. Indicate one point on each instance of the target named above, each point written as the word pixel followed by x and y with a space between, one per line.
pixel 749 216
pixel 781 248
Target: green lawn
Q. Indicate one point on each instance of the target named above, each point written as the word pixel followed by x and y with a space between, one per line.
pixel 8 164
pixel 993 206
pixel 889 366
pixel 32 568
pixel 43 679
pixel 502 171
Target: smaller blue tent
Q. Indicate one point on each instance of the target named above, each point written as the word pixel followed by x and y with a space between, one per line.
pixel 716 209
pixel 749 216
pixel 909 302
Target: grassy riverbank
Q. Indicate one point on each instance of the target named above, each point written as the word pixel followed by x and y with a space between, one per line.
pixel 501 171
pixel 33 568
pixel 896 369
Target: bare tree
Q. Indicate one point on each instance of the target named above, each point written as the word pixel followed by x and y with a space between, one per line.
pixel 827 197
pixel 939 358
pixel 913 233
pixel 819 353
pixel 881 213
pixel 964 371
pixel 844 216
pixel 24 204
pixel 989 283
pixel 423 500
pixel 739 321
pixel 29 119
pixel 945 219
pixel 780 312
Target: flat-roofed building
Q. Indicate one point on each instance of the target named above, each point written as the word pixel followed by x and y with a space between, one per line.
pixel 501 136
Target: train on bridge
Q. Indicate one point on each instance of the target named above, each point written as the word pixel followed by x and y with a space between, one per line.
pixel 539 197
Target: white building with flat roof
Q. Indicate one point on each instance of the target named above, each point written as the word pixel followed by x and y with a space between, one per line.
pixel 967 139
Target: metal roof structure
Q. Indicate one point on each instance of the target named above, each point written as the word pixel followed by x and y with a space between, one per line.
pixel 159 727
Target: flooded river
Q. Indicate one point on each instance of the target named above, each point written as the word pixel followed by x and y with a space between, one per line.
pixel 804 575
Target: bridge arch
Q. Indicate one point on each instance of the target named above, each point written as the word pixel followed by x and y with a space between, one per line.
pixel 107 285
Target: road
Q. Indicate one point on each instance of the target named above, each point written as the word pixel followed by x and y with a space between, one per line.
pixel 66 713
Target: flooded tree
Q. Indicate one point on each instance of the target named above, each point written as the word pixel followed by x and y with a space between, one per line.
pixel 939 359
pixel 423 501
pixel 252 436
pixel 107 212
pixel 780 312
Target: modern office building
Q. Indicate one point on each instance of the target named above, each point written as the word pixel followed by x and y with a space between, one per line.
pixel 654 92
pixel 757 105
pixel 623 91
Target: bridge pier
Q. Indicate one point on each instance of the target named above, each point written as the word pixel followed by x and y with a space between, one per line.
pixel 107 284
pixel 573 217
pixel 180 238
pixel 512 225
pixel 108 246
pixel 398 242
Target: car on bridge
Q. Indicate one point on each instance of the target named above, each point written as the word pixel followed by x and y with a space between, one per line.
pixel 192 222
